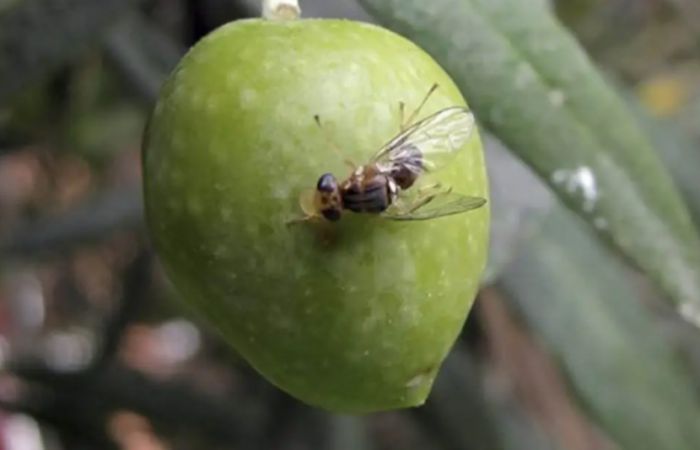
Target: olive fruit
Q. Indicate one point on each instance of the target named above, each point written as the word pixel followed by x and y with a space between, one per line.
pixel 355 315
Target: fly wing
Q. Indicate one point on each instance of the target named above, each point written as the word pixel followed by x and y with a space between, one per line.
pixel 430 143
pixel 431 205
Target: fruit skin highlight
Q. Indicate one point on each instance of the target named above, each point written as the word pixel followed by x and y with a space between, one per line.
pixel 355 316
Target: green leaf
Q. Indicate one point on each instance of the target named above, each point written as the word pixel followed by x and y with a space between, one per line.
pixel 464 413
pixel 458 394
pixel 679 153
pixel 573 292
pixel 531 84
pixel 682 158
pixel 518 200
pixel 37 36
pixel 143 54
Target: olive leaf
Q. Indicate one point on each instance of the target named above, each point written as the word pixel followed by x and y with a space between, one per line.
pixel 116 209
pixel 679 153
pixel 497 420
pixel 530 83
pixel 37 36
pixel 459 393
pixel 573 292
pixel 519 201
pixel 143 54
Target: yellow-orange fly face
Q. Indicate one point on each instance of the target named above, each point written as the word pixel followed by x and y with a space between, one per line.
pixel 327 199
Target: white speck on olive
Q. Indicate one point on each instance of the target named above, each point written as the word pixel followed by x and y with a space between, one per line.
pixel 232 79
pixel 197 100
pixel 212 104
pixel 220 251
pixel 194 205
pixel 248 97
pixel 177 142
pixel 281 191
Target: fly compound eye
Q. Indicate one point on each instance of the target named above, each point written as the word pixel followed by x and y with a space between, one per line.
pixel 327 183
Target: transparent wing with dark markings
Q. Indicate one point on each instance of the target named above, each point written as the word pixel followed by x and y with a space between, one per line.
pixel 432 205
pixel 430 143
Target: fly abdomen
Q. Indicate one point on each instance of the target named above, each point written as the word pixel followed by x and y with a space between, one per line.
pixel 407 166
pixel 369 197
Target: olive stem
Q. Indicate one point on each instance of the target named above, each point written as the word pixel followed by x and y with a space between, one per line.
pixel 281 9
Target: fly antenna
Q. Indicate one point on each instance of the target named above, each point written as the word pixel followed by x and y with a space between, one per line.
pixel 416 111
pixel 331 143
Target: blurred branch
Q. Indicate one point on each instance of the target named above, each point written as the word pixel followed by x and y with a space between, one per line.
pixel 117 209
pixel 312 427
pixel 283 409
pixel 307 429
pixel 529 374
pixel 456 411
pixel 136 283
pixel 143 54
pixel 291 424
pixel 349 433
pixel 80 401
pixel 52 409
pixel 88 417
pixel 37 36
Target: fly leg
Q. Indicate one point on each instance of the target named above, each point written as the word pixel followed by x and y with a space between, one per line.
pixel 408 208
pixel 425 195
pixel 432 187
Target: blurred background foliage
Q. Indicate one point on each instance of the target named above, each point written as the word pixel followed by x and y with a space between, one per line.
pixel 582 337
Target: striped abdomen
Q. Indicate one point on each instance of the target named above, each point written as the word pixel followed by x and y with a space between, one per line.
pixel 407 165
pixel 367 195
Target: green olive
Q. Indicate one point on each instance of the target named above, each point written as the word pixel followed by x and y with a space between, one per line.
pixel 355 315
